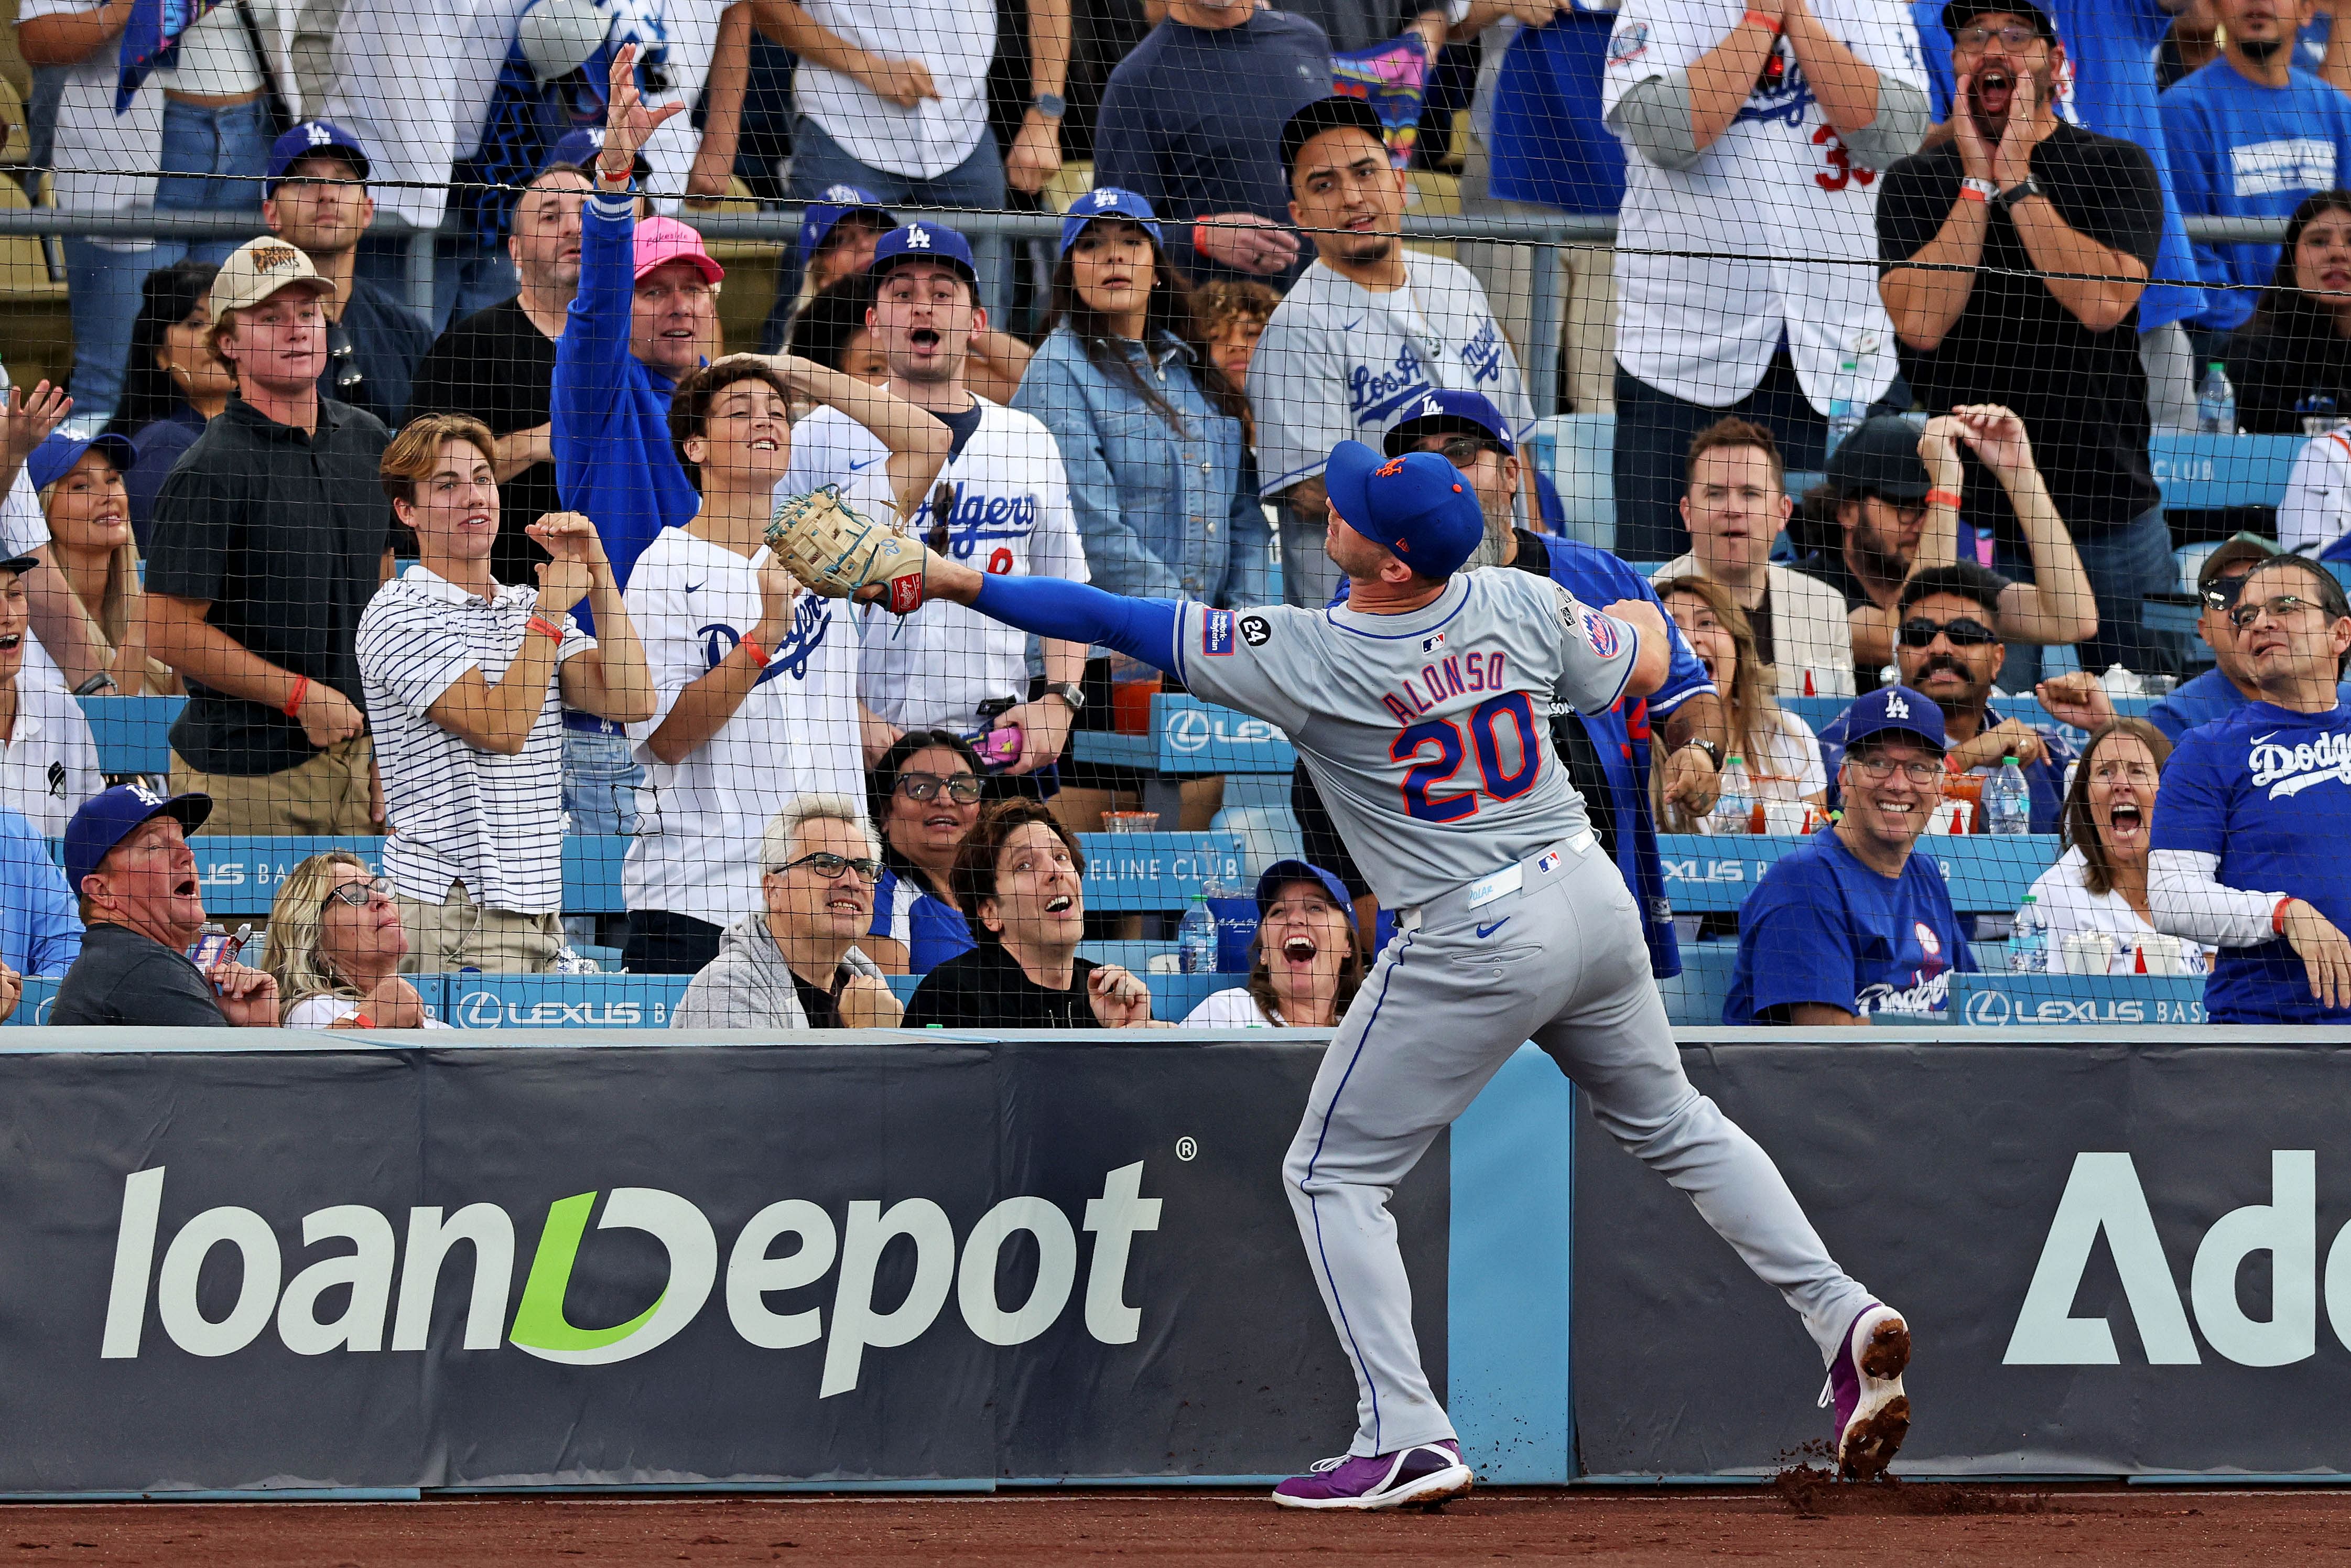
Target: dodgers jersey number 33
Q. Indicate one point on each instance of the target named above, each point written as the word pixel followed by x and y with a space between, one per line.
pixel 1428 734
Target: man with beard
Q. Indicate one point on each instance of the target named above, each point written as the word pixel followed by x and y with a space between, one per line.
pixel 1951 651
pixel 1889 509
pixel 2014 258
pixel 1608 755
pixel 1369 329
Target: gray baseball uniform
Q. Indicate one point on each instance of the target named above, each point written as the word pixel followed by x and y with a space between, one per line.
pixel 1426 735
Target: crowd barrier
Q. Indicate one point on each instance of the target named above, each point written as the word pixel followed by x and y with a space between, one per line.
pixel 971 1261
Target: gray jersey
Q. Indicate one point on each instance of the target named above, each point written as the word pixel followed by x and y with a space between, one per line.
pixel 1429 735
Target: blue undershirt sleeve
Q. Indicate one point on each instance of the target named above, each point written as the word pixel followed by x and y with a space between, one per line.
pixel 1142 629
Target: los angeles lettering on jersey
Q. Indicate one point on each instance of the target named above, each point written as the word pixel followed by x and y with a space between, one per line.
pixel 1452 676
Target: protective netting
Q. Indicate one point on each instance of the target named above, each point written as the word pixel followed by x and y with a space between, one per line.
pixel 1939 374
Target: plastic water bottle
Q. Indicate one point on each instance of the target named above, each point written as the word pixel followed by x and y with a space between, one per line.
pixel 1735 807
pixel 2028 946
pixel 1845 411
pixel 1196 938
pixel 2008 800
pixel 2216 403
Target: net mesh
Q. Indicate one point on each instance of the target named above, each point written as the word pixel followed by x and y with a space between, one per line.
pixel 1937 373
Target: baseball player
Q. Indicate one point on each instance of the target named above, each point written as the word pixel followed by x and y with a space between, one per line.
pixel 1419 705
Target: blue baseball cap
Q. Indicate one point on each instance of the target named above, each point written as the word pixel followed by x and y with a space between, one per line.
pixel 111 816
pixel 1900 709
pixel 923 241
pixel 306 139
pixel 1448 413
pixel 54 458
pixel 579 148
pixel 1417 505
pixel 1281 873
pixel 1107 201
pixel 833 204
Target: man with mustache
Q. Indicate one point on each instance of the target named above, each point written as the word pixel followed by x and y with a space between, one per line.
pixel 1951 651
pixel 2250 136
pixel 2014 259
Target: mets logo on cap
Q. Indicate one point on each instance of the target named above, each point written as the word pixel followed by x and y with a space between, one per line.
pixel 1600 631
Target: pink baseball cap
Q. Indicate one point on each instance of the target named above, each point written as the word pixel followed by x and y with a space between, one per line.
pixel 660 240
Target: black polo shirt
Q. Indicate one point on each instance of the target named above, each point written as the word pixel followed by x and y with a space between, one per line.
pixel 123 978
pixel 282 533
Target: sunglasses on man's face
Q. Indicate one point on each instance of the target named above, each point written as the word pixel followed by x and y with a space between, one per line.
pixel 2224 593
pixel 1918 632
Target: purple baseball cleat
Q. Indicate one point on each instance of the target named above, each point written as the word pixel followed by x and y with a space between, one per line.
pixel 1873 1413
pixel 1422 1476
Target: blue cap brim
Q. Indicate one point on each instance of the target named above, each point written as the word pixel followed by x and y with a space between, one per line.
pixel 1281 873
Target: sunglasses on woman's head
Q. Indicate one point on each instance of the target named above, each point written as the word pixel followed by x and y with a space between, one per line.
pixel 962 787
pixel 357 893
pixel 1965 632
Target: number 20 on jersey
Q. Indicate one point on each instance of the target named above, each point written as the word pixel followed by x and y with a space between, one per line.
pixel 1435 749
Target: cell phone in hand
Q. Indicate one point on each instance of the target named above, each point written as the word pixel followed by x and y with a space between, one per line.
pixel 999 748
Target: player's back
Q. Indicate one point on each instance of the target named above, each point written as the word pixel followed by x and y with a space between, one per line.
pixel 1427 734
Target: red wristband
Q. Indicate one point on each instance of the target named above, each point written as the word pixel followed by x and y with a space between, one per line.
pixel 757 651
pixel 1199 243
pixel 2277 915
pixel 1943 498
pixel 545 627
pixel 362 1020
pixel 1761 20
pixel 1970 194
pixel 293 708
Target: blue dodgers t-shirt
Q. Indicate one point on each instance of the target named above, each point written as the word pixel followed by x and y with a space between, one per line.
pixel 2110 46
pixel 2240 149
pixel 1550 144
pixel 933 929
pixel 2269 791
pixel 1822 927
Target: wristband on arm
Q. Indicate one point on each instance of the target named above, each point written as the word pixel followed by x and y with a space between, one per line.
pixel 293 708
pixel 2277 915
pixel 1770 23
pixel 760 654
pixel 1943 498
pixel 545 627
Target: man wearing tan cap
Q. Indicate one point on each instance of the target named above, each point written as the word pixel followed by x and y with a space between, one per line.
pixel 269 538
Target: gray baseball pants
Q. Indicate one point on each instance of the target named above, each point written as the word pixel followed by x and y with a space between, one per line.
pixel 1558 960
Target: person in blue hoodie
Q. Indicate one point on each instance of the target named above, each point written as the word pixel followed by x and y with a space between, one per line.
pixel 645 312
pixel 2250 135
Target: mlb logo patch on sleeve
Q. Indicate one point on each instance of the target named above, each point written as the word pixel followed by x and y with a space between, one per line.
pixel 1217 633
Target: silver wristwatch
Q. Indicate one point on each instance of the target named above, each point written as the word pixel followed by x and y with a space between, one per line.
pixel 1071 693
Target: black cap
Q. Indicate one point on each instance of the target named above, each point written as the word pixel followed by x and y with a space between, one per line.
pixel 1325 114
pixel 1880 457
pixel 1957 14
pixel 18 565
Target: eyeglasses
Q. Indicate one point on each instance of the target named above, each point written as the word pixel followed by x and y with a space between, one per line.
pixel 2279 605
pixel 1461 451
pixel 357 893
pixel 943 505
pixel 2015 35
pixel 964 788
pixel 1878 769
pixel 831 866
pixel 1965 632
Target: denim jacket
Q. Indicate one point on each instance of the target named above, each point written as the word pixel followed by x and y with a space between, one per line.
pixel 1167 514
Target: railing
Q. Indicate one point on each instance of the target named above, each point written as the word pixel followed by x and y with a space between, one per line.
pixel 993 233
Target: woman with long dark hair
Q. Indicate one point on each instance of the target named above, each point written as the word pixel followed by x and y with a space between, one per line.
pixel 173 384
pixel 2291 360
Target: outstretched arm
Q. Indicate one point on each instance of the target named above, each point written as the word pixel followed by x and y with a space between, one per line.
pixel 1142 629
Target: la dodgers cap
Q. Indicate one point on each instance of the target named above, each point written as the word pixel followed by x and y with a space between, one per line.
pixel 922 241
pixel 1894 708
pixel 1417 505
pixel 1881 456
pixel 1448 413
pixel 833 204
pixel 307 140
pixel 260 268
pixel 1281 873
pixel 111 816
pixel 1325 114
pixel 1957 14
pixel 1107 201
pixel 54 458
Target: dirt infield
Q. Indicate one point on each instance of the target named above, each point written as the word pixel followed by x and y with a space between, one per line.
pixel 1945 1525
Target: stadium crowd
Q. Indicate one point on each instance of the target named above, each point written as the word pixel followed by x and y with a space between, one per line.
pixel 477 579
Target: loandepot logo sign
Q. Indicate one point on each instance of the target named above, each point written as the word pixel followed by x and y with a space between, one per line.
pixel 2102 1195
pixel 378 1291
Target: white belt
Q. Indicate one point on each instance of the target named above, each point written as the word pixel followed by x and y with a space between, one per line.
pixel 1509 880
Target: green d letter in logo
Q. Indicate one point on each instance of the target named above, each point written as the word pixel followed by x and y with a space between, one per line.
pixel 540 1325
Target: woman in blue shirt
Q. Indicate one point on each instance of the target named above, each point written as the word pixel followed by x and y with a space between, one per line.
pixel 924 797
pixel 1154 436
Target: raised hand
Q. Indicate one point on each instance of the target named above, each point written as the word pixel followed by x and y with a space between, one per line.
pixel 628 123
pixel 2030 123
pixel 1975 152
pixel 1996 436
pixel 26 422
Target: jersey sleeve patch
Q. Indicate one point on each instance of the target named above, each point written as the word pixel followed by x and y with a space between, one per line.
pixel 1217 633
pixel 1599 631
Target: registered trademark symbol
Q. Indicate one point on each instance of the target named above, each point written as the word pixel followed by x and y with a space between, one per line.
pixel 1185 1149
